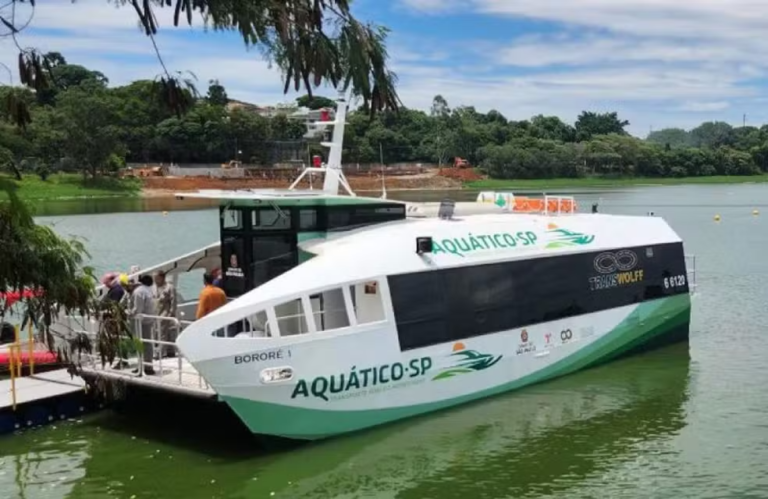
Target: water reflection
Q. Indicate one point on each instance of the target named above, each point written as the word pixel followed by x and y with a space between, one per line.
pixel 93 206
pixel 543 441
pixel 553 440
pixel 52 469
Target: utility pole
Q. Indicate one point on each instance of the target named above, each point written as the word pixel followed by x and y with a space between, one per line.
pixel 744 120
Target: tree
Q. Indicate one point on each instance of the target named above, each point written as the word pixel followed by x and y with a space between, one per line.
pixel 33 257
pixel 672 137
pixel 311 41
pixel 712 135
pixel 589 124
pixel 63 76
pixel 8 162
pixel 440 107
pixel 217 95
pixel 315 102
pixel 552 128
pixel 90 136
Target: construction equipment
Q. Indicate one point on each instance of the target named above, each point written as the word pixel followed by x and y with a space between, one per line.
pixel 461 163
pixel 154 171
pixel 232 164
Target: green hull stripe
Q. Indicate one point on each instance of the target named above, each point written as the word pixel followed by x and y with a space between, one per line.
pixel 649 322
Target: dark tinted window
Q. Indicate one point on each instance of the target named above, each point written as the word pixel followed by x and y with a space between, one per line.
pixel 484 299
pixel 272 256
pixel 340 217
pixel 231 218
pixel 308 219
pixel 271 219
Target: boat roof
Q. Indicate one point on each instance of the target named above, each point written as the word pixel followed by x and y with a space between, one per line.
pixel 281 196
pixel 390 249
pixel 208 257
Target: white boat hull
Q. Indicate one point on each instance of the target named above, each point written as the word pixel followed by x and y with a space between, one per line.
pixel 381 384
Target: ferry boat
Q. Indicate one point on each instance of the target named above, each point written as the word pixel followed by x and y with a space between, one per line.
pixel 348 312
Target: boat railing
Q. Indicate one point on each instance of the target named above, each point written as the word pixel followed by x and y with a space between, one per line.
pixel 546 204
pixel 173 371
pixel 690 266
pixel 559 205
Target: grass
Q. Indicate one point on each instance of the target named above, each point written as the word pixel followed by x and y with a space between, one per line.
pixel 568 183
pixel 67 186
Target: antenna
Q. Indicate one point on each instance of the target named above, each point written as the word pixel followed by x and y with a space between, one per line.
pixel 334 175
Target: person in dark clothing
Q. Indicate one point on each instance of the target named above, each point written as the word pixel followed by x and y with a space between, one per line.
pixel 115 291
pixel 7 333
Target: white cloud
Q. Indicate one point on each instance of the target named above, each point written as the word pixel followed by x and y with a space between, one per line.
pixel 435 6
pixel 697 107
pixel 102 37
pixel 660 60
pixel 700 19
pixel 656 62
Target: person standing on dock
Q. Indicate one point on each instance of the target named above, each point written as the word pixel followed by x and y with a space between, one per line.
pixel 165 300
pixel 143 303
pixel 211 298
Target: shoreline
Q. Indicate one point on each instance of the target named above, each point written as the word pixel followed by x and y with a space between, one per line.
pixel 32 190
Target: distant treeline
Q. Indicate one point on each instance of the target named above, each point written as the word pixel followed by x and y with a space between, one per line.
pixel 82 124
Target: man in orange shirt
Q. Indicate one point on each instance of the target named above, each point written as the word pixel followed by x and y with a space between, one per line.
pixel 211 297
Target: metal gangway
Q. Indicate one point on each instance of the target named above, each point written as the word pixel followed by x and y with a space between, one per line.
pixel 173 373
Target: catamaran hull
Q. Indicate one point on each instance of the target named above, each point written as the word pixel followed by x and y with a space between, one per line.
pixel 321 401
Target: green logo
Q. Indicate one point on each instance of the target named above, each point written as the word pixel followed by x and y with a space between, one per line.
pixel 468 361
pixel 564 238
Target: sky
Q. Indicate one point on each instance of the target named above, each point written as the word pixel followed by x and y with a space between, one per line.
pixel 658 63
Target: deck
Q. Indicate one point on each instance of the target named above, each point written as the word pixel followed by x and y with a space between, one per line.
pixel 39 387
pixel 41 399
pixel 172 374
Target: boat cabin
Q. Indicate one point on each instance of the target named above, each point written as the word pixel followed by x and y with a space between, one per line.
pixel 260 238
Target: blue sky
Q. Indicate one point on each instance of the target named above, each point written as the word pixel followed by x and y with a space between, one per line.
pixel 658 63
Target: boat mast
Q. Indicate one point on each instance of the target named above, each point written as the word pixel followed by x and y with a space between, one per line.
pixel 334 176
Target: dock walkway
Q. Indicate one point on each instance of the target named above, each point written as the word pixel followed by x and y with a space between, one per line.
pixel 40 399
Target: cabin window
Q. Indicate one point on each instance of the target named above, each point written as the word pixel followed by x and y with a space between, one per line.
pixel 374 215
pixel 308 219
pixel 329 310
pixel 358 216
pixel 232 219
pixel 366 298
pixel 451 304
pixel 291 319
pixel 272 256
pixel 252 326
pixel 338 218
pixel 271 219
pixel 420 305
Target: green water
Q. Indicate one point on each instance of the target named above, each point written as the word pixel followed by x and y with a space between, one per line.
pixel 687 421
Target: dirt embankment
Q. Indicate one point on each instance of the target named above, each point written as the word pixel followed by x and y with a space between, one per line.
pixel 439 180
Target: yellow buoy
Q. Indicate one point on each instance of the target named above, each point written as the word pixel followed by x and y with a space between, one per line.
pixel 717 218
pixel 165 213
pixel 755 212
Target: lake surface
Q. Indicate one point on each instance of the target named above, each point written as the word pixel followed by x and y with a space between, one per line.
pixel 686 421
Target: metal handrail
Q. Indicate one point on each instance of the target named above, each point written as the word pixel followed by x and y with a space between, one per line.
pixel 93 360
pixel 559 200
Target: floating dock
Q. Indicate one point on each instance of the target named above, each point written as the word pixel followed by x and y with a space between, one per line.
pixel 41 399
